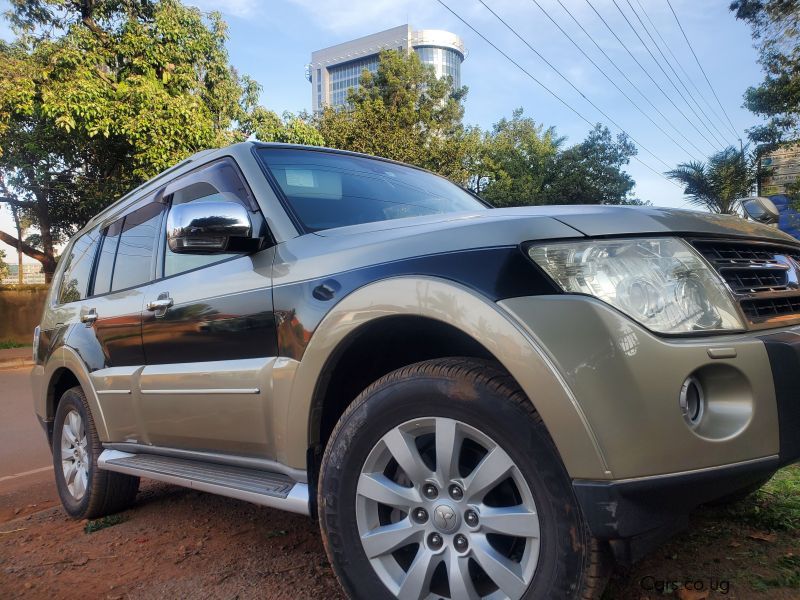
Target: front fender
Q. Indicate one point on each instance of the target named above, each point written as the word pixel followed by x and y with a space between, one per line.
pixel 475 316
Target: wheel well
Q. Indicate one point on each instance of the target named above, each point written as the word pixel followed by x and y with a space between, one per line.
pixel 62 380
pixel 366 355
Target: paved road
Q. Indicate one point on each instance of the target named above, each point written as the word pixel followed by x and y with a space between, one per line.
pixel 23 445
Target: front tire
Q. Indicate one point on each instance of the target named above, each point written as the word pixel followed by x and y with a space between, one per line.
pixel 440 480
pixel 86 491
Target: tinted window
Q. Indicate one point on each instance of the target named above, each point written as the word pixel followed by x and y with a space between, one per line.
pixel 78 268
pixel 135 253
pixel 219 181
pixel 105 262
pixel 328 190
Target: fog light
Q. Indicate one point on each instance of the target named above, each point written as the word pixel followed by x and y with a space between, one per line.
pixel 692 401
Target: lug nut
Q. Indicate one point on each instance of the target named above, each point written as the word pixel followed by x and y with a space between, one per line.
pixel 420 515
pixel 435 541
pixel 429 491
pixel 460 543
pixel 471 518
pixel 456 493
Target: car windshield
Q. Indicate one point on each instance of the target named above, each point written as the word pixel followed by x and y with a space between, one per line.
pixel 327 189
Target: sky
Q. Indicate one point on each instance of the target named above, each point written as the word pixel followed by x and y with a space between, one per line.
pixel 272 41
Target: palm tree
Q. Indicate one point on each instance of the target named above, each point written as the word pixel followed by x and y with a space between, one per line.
pixel 716 185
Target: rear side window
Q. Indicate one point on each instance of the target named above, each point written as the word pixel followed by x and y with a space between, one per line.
pixel 105 263
pixel 326 190
pixel 136 247
pixel 78 268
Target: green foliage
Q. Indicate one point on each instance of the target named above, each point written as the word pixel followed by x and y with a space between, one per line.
pixel 716 185
pixel 3 266
pixel 10 344
pixel 403 112
pixel 523 163
pixel 109 521
pixel 775 27
pixel 96 97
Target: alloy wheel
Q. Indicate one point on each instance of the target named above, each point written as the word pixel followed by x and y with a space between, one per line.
pixel 75 459
pixel 443 511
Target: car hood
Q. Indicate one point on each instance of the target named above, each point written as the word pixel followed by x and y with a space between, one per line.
pixel 588 220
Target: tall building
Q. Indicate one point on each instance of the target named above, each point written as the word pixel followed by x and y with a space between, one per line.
pixel 333 71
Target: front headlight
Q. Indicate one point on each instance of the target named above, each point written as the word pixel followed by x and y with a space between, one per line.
pixel 659 282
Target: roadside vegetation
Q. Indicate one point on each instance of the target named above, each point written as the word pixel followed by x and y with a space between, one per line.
pixel 9 344
pixel 750 548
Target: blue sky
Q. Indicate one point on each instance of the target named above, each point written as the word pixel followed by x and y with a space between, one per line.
pixel 273 40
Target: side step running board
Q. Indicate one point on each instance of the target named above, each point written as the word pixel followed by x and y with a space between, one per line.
pixel 260 487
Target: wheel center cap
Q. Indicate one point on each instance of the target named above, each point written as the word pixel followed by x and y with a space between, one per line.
pixel 446 518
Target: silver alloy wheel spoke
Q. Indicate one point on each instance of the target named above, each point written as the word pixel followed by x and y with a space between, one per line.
pixel 458 577
pixel 388 538
pixel 491 471
pixel 74 455
pixel 418 577
pixel 504 572
pixel 448 449
pixel 402 447
pixel 383 490
pixel 510 520
pixel 446 527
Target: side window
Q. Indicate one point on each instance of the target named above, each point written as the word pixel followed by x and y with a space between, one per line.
pixel 219 181
pixel 78 268
pixel 135 250
pixel 105 263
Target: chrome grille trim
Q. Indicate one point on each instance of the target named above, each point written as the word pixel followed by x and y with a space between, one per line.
pixel 763 278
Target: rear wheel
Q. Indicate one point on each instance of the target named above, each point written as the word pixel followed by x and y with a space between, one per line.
pixel 440 481
pixel 85 491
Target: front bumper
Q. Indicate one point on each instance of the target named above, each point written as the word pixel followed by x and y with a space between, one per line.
pixel 627 382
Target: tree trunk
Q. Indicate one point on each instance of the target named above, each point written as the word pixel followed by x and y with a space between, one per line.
pixel 20 276
pixel 48 261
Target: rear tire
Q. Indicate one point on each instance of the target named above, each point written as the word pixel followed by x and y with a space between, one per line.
pixel 393 433
pixel 86 491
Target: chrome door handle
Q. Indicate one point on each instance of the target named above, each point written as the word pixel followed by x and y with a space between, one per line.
pixel 89 317
pixel 160 304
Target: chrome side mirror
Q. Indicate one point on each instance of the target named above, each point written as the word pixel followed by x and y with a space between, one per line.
pixel 209 227
pixel 761 209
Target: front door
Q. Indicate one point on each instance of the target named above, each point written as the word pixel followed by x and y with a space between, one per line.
pixel 209 339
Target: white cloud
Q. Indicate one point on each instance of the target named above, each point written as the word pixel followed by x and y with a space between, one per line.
pixel 352 17
pixel 236 8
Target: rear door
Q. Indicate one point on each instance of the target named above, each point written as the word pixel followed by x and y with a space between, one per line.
pixel 209 336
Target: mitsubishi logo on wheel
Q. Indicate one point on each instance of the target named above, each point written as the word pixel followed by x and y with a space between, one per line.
pixel 445 518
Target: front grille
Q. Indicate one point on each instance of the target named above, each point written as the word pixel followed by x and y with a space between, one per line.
pixel 763 277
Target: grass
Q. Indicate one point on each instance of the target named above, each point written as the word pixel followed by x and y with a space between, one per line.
pixel 9 344
pixel 751 545
pixel 98 524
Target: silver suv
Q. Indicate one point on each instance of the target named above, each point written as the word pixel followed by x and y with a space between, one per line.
pixel 475 403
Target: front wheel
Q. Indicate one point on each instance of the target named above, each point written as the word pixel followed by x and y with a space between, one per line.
pixel 440 481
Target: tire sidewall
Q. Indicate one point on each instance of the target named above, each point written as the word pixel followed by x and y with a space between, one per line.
pixel 73 400
pixel 564 542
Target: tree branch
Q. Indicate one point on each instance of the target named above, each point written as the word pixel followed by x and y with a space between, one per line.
pixel 17 203
pixel 26 249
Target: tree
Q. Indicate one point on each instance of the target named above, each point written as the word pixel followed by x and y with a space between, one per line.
pixel 717 184
pixel 775 28
pixel 525 163
pixel 3 266
pixel 97 96
pixel 403 112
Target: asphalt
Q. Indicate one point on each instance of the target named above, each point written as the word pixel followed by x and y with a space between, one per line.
pixel 26 457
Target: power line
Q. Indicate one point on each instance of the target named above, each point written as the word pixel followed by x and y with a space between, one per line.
pixel 689 78
pixel 572 85
pixel 697 60
pixel 646 72
pixel 599 68
pixel 542 85
pixel 646 97
pixel 658 64
pixel 674 72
